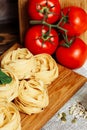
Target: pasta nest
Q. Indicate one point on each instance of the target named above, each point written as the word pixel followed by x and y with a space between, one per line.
pixel 33 96
pixel 9 116
pixel 34 74
pixel 20 61
pixel 46 68
pixel 9 91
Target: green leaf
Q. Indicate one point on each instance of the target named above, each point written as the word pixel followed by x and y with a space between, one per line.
pixel 4 78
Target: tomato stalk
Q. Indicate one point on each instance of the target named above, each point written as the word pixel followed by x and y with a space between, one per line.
pixel 47 24
pixel 47 34
pixel 67 43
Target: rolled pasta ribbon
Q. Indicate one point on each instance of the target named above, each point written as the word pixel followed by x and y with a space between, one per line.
pixel 33 96
pixel 9 117
pixel 9 91
pixel 47 68
pixel 21 62
pixel 20 53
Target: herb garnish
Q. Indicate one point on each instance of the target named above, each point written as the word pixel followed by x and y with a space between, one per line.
pixel 4 78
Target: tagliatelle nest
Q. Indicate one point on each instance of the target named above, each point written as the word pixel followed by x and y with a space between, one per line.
pixel 46 68
pixel 33 96
pixel 20 61
pixel 9 116
pixel 9 91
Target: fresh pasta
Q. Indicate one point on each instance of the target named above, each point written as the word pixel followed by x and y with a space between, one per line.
pixel 47 68
pixel 25 65
pixel 21 62
pixel 20 53
pixel 31 74
pixel 33 96
pixel 9 117
pixel 9 91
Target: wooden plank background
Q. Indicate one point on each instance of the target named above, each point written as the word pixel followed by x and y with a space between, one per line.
pixel 24 18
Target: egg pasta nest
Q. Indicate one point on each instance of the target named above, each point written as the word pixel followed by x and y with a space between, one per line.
pixel 9 116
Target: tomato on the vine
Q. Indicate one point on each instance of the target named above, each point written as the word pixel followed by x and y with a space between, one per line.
pixel 73 56
pixel 48 10
pixel 39 39
pixel 74 20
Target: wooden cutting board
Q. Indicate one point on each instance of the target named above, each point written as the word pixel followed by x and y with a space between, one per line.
pixel 60 91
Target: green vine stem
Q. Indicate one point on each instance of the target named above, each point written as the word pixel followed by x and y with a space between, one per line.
pixel 47 24
pixel 67 42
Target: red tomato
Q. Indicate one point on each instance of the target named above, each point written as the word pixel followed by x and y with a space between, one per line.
pixel 44 9
pixel 74 56
pixel 39 40
pixel 75 20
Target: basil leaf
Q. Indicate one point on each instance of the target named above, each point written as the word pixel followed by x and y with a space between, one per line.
pixel 4 78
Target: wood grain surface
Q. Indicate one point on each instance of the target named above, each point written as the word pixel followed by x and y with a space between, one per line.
pixel 24 18
pixel 60 91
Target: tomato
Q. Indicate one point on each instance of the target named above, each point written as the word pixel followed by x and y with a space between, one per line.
pixel 39 39
pixel 48 10
pixel 74 56
pixel 74 20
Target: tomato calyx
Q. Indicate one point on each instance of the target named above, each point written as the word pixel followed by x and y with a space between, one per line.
pixel 64 18
pixel 45 36
pixel 45 9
